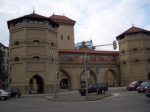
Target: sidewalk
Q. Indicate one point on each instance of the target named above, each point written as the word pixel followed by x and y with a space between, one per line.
pixel 73 95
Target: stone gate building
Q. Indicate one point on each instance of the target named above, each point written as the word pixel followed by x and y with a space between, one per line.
pixel 33 38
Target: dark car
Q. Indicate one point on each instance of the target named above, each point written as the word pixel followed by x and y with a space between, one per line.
pixel 142 88
pixel 14 92
pixel 133 85
pixel 94 88
pixel 147 92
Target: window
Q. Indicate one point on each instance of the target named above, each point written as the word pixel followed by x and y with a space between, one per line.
pixel 147 49
pixel 134 49
pixel 52 44
pixel 61 37
pixel 16 59
pixel 136 60
pixel 36 58
pixel 124 62
pixel 16 43
pixel 123 52
pixel 68 37
pixel 36 42
pixel 149 60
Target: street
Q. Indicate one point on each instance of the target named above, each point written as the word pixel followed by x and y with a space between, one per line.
pixel 121 101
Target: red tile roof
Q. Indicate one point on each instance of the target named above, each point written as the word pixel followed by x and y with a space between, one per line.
pixel 60 17
pixel 131 31
pixel 89 51
pixel 33 15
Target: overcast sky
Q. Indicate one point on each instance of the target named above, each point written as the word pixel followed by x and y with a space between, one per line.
pixel 98 20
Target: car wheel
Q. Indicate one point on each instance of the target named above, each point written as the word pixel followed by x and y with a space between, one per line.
pixel 16 96
pixel 139 91
pixel 82 94
pixel 2 98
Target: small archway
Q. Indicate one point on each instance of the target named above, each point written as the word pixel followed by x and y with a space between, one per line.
pixel 148 76
pixel 91 78
pixel 110 78
pixel 65 80
pixel 36 84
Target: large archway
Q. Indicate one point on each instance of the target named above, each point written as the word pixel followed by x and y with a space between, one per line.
pixel 65 80
pixel 36 85
pixel 110 78
pixel 91 78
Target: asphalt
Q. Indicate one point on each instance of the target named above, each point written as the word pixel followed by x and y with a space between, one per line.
pixel 73 95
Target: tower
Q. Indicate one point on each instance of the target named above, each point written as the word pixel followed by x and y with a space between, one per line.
pixel 134 54
pixel 32 38
pixel 65 31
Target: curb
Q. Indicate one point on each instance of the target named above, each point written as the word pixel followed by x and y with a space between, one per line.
pixel 90 98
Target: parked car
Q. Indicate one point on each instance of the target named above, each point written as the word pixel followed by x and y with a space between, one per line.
pixel 142 88
pixel 94 88
pixel 147 92
pixel 4 95
pixel 14 92
pixel 133 85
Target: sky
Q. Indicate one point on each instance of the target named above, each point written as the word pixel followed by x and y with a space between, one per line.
pixel 98 20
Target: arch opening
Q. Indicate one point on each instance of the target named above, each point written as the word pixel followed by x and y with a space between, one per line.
pixel 36 85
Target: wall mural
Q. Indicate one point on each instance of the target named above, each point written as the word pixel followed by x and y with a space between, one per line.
pixel 79 58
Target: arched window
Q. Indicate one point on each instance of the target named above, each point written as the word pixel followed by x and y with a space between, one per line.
pixel 52 44
pixel 136 60
pixel 134 49
pixel 124 62
pixel 123 52
pixel 16 43
pixel 36 58
pixel 16 59
pixel 36 42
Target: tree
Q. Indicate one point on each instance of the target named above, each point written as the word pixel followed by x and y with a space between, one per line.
pixel 1 62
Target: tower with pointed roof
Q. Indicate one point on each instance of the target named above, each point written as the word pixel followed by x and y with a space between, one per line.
pixel 65 35
pixel 134 54
pixel 32 39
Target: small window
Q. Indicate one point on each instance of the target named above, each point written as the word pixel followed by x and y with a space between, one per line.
pixel 136 60
pixel 52 44
pixel 17 43
pixel 149 60
pixel 16 59
pixel 36 58
pixel 124 62
pixel 123 52
pixel 68 37
pixel 61 37
pixel 147 49
pixel 134 49
pixel 36 42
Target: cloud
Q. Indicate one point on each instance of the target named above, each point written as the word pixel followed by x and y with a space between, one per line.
pixel 99 20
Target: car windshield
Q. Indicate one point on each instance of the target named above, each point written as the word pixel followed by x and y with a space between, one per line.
pixel 145 83
pixel 134 82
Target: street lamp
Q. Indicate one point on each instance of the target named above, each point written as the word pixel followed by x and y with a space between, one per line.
pixel 85 60
pixel 86 75
pixel 52 55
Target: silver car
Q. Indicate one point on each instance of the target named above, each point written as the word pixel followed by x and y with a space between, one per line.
pixel 4 95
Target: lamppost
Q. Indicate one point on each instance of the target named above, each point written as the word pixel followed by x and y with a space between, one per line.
pixel 85 60
pixel 52 55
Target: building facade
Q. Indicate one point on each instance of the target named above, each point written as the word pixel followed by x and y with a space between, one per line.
pixel 42 55
pixel 4 83
pixel 134 54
